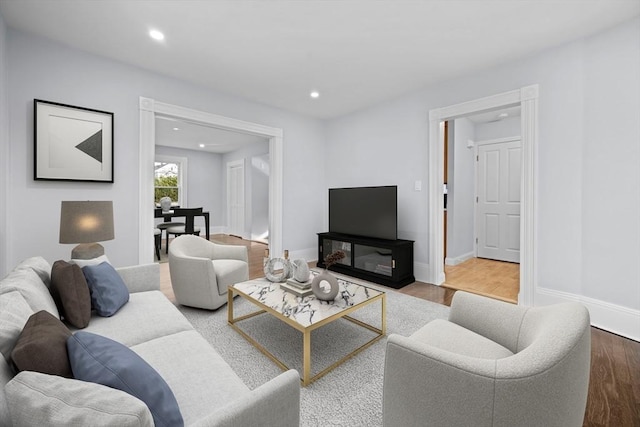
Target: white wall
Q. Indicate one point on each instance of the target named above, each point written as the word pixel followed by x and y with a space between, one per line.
pixel 4 148
pixel 587 199
pixel 204 182
pixel 45 70
pixel 461 193
pixel 500 129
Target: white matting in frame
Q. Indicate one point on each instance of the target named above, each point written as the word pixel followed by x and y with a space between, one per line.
pixel 72 143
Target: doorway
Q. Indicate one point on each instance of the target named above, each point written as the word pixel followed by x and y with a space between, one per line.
pixel 235 199
pixel 497 214
pixel 484 173
pixel 149 109
pixel 527 99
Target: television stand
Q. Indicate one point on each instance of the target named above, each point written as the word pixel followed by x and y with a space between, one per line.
pixel 386 262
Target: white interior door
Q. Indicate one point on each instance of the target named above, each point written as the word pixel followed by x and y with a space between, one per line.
pixel 498 200
pixel 235 198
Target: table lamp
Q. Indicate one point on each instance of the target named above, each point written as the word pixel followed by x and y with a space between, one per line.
pixel 86 223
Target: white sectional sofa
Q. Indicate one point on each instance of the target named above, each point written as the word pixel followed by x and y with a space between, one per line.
pixel 207 390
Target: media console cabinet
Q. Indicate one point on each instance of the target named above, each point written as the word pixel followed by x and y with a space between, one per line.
pixel 387 262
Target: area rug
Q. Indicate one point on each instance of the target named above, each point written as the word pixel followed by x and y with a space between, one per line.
pixel 349 395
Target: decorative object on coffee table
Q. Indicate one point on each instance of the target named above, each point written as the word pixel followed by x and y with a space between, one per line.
pixel 324 279
pixel 273 265
pixel 300 270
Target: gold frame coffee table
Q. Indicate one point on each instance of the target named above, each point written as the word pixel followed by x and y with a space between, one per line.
pixel 306 314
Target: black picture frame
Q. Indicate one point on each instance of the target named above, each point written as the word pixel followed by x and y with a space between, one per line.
pixel 72 143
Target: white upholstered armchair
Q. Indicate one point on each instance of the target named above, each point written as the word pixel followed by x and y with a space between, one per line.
pixel 491 364
pixel 202 270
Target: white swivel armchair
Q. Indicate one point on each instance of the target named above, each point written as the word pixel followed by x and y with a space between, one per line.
pixel 202 270
pixel 491 364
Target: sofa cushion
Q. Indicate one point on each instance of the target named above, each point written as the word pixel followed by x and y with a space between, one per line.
pixel 152 314
pixel 201 380
pixel 40 266
pixel 30 285
pixel 108 291
pixel 95 358
pixel 229 272
pixel 449 336
pixel 71 293
pixel 6 375
pixel 38 399
pixel 14 313
pixel 42 346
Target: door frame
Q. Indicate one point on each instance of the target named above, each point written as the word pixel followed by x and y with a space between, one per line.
pixel 148 109
pixel 476 169
pixel 527 98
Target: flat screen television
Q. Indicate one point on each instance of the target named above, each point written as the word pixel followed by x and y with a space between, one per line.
pixel 364 211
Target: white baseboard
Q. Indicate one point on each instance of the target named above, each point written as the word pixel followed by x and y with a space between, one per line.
pixel 217 230
pixel 614 318
pixel 309 254
pixel 458 260
pixel 422 272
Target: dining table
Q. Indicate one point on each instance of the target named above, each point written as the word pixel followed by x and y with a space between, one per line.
pixel 170 214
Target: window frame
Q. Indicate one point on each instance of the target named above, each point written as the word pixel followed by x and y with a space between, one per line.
pixel 182 164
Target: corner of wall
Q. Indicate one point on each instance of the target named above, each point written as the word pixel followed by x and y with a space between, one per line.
pixel 4 149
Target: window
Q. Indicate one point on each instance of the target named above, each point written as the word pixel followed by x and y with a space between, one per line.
pixel 169 179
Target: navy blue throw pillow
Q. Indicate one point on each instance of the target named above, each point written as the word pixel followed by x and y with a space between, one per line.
pixel 108 291
pixel 100 360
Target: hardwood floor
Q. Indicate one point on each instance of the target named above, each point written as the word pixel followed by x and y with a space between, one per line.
pixel 614 387
pixel 495 279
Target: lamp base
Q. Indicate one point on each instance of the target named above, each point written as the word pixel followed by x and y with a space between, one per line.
pixel 87 251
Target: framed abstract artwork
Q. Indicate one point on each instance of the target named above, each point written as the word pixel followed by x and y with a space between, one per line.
pixel 72 143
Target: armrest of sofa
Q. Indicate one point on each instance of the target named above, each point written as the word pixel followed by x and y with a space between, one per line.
pixel 229 252
pixel 496 320
pixel 276 403
pixel 141 278
pixel 425 385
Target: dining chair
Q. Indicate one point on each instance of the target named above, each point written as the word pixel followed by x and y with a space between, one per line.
pixel 188 228
pixel 157 235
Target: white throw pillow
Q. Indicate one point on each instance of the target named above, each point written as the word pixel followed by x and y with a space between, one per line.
pixel 92 261
pixel 36 399
pixel 33 290
pixel 14 313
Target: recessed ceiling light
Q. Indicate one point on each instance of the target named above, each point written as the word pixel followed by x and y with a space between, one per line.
pixel 156 35
pixel 176 128
pixel 503 115
pixel 201 145
pixel 314 94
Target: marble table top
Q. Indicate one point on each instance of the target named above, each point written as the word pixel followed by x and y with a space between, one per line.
pixel 308 310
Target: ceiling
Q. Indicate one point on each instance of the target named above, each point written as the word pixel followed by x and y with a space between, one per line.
pixel 354 53
pixel 189 136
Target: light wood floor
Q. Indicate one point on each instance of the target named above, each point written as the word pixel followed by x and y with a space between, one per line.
pixel 495 279
pixel 614 387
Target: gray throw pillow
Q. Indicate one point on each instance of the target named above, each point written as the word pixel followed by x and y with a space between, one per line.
pixel 108 291
pixel 70 291
pixel 42 346
pixel 98 359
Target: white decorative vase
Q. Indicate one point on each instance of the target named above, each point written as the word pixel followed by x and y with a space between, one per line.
pixel 300 270
pixel 165 204
pixel 325 286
